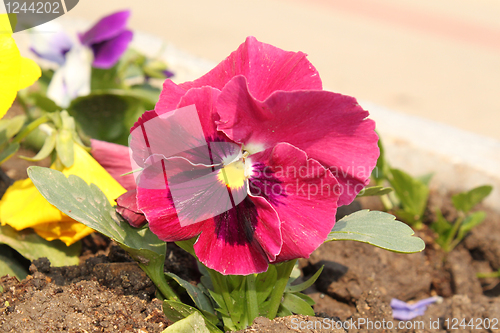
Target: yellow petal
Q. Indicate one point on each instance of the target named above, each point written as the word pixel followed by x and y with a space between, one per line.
pixel 16 72
pixel 22 206
pixel 30 72
pixel 67 232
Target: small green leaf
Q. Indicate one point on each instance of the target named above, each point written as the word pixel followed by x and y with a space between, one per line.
pixel 442 227
pixel 8 265
pixel 200 300
pixel 176 311
pixel 380 172
pixel 426 179
pixel 306 298
pixel 194 323
pixel 31 246
pixel 264 283
pixel 12 126
pixel 65 148
pixel 470 222
pixel 9 152
pixel 379 229
pixel 374 191
pixel 304 285
pixel 47 148
pixel 467 200
pixel 44 103
pixel 297 305
pixel 411 191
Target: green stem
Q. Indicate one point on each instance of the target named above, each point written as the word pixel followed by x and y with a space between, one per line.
pixel 284 271
pixel 386 202
pixel 251 296
pixel 28 129
pixel 453 233
pixel 488 275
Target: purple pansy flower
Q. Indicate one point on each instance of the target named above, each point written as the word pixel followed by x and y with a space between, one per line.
pixel 404 311
pixel 108 39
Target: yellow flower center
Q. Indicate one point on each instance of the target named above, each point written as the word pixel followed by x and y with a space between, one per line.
pixel 233 175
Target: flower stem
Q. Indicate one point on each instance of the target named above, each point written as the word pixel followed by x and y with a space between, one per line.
pixel 284 270
pixel 251 296
pixel 31 126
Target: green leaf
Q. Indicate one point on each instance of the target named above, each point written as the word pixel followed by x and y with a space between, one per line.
pixel 411 191
pixel 304 285
pixel 194 323
pixel 44 103
pixel 200 300
pixel 467 200
pixel 65 147
pixel 12 126
pixel 442 227
pixel 8 265
pixel 88 205
pixel 426 179
pixel 306 298
pixel 106 115
pixel 264 283
pixel 381 170
pixel 470 222
pixel 378 229
pixel 31 246
pixel 374 191
pixel 9 152
pixel 47 148
pixel 297 305
pixel 176 311
pixel 105 78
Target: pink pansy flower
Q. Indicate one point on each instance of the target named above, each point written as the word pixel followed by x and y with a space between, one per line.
pixel 285 153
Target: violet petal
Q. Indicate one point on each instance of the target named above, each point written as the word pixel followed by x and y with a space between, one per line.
pixel 108 27
pixel 107 53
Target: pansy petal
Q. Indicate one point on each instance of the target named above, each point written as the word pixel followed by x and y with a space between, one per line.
pixel 331 128
pixel 115 159
pixel 170 97
pixel 303 193
pixel 205 99
pixel 228 245
pixel 126 206
pixel 108 27
pixel 67 232
pixel 266 67
pixel 107 53
pixel 157 205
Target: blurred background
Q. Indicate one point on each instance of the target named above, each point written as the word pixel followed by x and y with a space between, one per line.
pixel 438 59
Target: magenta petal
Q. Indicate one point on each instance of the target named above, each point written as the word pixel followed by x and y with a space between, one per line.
pixel 170 97
pixel 303 193
pixel 107 53
pixel 127 208
pixel 115 159
pixel 228 244
pixel 158 207
pixel 106 28
pixel 329 127
pixel 266 67
pixel 205 99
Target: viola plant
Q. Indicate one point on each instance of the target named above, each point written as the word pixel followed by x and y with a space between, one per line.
pixel 451 233
pixel 243 168
pixel 409 195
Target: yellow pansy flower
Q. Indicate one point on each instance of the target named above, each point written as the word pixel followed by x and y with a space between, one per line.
pixel 22 206
pixel 16 72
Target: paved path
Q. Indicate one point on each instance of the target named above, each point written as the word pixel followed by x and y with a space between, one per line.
pixel 438 59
